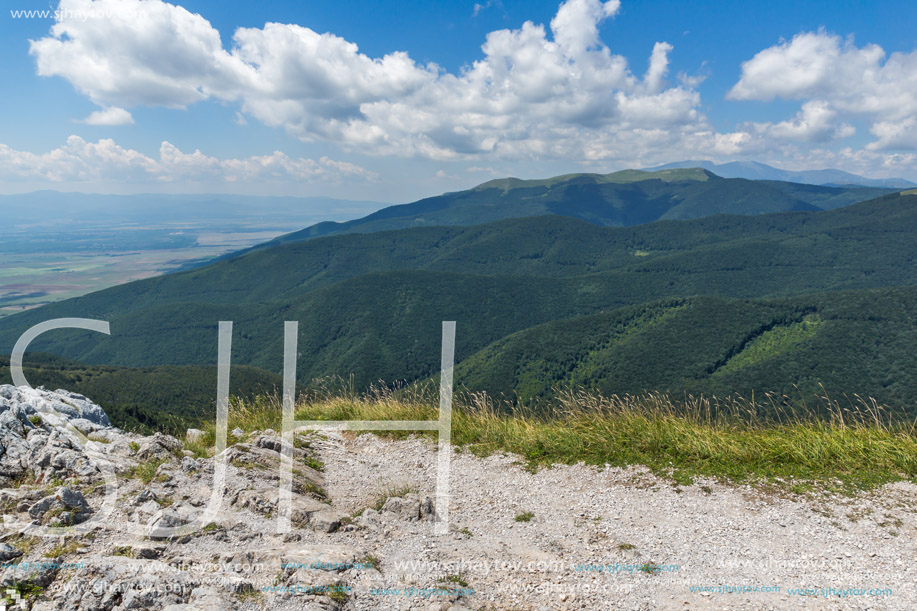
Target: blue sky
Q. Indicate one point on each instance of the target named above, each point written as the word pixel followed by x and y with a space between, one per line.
pixel 397 100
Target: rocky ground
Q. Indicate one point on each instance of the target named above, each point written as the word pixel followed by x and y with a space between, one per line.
pixel 96 519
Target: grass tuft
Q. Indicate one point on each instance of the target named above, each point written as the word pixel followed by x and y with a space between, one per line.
pixel 145 472
pixel 391 491
pixel 63 549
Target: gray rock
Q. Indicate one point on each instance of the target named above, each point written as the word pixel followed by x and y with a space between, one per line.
pixel 326 521
pixel 238 433
pixel 268 443
pixel 45 447
pixel 70 405
pixel 370 518
pixel 148 508
pixel 159 446
pixel 208 599
pixel 193 434
pixel 406 508
pixel 41 507
pixel 86 426
pixel 145 496
pixel 69 504
pixel 143 599
pixel 427 509
pixel 168 519
pixel 41 574
pixel 72 499
pixel 8 552
pixel 149 553
pixel 14 449
pixel 309 558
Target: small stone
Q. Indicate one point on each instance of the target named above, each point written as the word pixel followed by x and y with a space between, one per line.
pixel 8 552
pixel 143 497
pixel 407 508
pixel 72 499
pixel 326 521
pixel 161 527
pixel 269 443
pixel 159 446
pixel 38 509
pixel 149 553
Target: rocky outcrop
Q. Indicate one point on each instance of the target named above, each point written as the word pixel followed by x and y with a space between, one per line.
pixel 40 434
pixel 151 535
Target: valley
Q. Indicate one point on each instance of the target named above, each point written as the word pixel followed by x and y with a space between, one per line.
pixel 725 304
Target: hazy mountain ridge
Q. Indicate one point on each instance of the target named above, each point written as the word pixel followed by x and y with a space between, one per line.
pixel 755 170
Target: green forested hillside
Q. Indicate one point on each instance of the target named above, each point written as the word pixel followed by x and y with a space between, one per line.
pixel 620 199
pixel 863 245
pixel 851 342
pixel 371 305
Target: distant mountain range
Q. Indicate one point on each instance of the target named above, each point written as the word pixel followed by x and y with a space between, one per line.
pixel 619 199
pixel 754 170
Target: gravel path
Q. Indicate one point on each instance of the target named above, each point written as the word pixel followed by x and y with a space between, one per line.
pixel 615 521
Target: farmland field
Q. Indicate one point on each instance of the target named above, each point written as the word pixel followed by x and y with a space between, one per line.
pixel 61 245
pixel 34 278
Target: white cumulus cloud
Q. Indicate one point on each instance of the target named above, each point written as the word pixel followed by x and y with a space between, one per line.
pixel 545 92
pixel 106 161
pixel 815 122
pixel 534 93
pixel 111 115
pixel 838 81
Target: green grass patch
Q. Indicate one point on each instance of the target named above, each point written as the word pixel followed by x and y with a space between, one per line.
pixel 249 594
pixel 26 590
pixel 650 568
pixel 202 447
pixel 145 472
pixel 458 579
pixel 314 463
pixel 773 343
pixel 839 446
pixel 62 549
pixel 525 516
pixel 26 543
pixel 315 490
pixel 373 561
pixel 338 593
